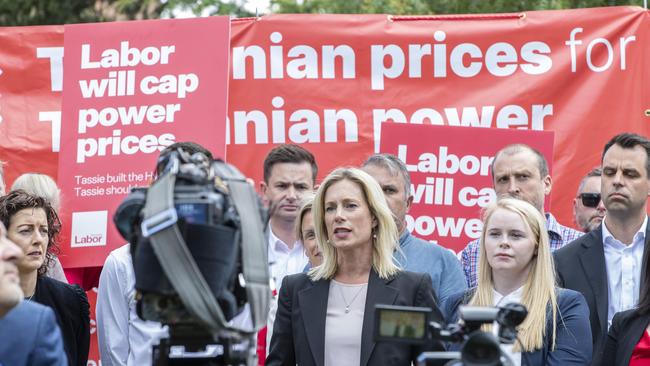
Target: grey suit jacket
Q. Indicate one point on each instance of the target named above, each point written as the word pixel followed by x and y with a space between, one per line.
pixel 30 336
pixel 299 328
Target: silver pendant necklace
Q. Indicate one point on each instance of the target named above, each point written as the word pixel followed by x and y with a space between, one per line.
pixel 348 304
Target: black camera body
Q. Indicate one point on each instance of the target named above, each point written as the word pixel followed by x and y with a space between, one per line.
pixel 202 221
pixel 209 224
pixel 477 348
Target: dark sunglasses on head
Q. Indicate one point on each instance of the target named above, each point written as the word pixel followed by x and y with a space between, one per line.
pixel 590 199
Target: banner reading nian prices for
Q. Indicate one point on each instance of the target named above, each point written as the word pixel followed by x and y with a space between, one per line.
pixel 131 89
pixel 450 175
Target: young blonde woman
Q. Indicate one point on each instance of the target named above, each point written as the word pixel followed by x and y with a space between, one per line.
pixel 326 317
pixel 515 265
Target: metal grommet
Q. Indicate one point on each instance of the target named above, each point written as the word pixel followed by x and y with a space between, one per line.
pixel 647 112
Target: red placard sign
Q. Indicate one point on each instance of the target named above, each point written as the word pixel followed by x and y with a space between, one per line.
pixel 450 175
pixel 130 90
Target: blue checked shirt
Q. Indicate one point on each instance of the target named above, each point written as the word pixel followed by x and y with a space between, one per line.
pixel 558 234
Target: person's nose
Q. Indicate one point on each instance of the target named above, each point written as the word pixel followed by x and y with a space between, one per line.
pixel 10 251
pixel 513 188
pixel 39 237
pixel 292 193
pixel 339 216
pixel 618 178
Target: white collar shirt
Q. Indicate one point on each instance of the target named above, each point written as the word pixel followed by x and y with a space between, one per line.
pixel 284 261
pixel 623 264
pixel 124 339
pixel 500 300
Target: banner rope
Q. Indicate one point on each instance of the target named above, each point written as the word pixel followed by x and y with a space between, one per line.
pixel 408 18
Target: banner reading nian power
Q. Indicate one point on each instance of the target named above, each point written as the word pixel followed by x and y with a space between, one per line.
pixel 329 82
pixel 131 90
pixel 450 178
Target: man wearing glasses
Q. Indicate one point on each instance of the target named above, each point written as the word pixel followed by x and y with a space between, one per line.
pixel 588 208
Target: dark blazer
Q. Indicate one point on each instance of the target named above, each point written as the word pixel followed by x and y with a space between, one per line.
pixel 572 330
pixel 72 311
pixel 30 337
pixel 624 334
pixel 299 328
pixel 580 266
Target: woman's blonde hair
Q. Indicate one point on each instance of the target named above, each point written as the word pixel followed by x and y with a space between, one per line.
pixel 305 206
pixel 386 238
pixel 539 288
pixel 41 185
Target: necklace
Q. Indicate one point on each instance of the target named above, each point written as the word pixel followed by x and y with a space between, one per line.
pixel 30 298
pixel 348 304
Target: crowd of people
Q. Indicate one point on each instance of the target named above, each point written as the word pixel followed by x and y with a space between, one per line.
pixel 338 248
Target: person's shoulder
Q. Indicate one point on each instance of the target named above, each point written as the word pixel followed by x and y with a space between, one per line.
pixel 577 245
pixel 72 296
pixel 431 247
pixel 297 280
pixel 471 246
pixel 29 310
pixel 119 257
pixel 624 318
pixel 453 301
pixel 409 276
pixel 568 296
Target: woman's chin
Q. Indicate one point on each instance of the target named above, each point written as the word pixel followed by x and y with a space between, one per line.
pixel 29 266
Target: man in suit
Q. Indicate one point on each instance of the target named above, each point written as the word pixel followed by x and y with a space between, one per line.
pixel 605 264
pixel 29 333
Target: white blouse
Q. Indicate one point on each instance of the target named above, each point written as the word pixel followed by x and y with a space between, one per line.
pixel 344 323
pixel 500 300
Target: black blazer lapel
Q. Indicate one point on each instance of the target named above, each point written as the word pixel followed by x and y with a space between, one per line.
pixel 379 292
pixel 595 269
pixel 313 305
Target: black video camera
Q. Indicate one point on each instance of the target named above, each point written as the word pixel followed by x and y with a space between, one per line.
pixel 477 348
pixel 185 233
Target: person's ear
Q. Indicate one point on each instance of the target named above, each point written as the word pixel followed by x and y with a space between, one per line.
pixel 409 202
pixel 548 184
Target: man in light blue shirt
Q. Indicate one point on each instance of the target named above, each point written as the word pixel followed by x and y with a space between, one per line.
pixel 415 254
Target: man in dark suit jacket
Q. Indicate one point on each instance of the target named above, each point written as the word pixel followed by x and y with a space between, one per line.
pixel 605 264
pixel 29 333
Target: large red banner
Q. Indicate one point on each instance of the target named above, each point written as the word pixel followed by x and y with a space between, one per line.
pixel 328 82
pixel 450 175
pixel 130 90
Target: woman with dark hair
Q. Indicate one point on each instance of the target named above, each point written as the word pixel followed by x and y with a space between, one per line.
pixel 34 226
pixel 628 340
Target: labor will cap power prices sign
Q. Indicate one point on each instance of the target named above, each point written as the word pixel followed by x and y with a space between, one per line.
pixel 130 90
pixel 450 175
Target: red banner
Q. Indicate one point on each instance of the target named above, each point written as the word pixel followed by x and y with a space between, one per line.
pixel 131 90
pixel 329 81
pixel 450 175
pixel 31 81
